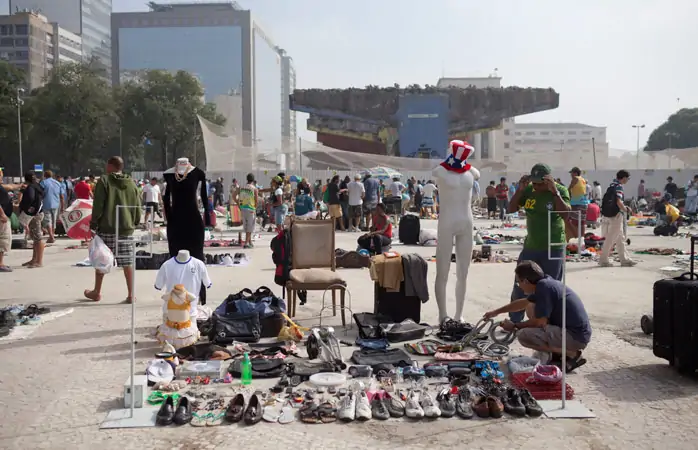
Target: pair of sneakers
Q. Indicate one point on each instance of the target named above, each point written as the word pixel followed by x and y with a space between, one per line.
pixel 354 406
pixel 423 405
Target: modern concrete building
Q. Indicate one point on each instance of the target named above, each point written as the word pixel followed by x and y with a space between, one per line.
pixel 35 45
pixel 88 18
pixel 238 64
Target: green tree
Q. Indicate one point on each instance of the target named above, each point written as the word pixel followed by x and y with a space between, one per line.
pixel 11 79
pixel 162 108
pixel 73 118
pixel 679 131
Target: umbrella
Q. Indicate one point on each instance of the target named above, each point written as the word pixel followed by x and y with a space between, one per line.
pixel 295 179
pixel 383 173
pixel 76 220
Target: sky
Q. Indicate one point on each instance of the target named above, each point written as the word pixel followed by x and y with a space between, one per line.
pixel 615 63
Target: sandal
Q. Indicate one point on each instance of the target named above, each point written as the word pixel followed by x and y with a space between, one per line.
pixel 327 412
pixel 215 418
pixel 308 413
pixel 287 415
pixel 198 418
pixel 575 363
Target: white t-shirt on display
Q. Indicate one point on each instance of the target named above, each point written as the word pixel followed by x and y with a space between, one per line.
pixel 191 274
pixel 429 190
pixel 356 190
pixel 152 193
pixel 396 188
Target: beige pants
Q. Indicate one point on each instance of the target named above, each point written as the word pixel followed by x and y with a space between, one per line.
pixel 5 237
pixel 612 230
pixel 550 336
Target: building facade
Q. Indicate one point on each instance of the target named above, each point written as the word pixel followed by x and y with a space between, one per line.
pixel 245 79
pixel 90 19
pixel 35 45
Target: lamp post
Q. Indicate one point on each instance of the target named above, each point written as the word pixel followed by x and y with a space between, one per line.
pixel 20 102
pixel 637 156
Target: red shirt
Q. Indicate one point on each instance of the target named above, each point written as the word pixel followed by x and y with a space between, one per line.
pixel 593 212
pixel 82 190
pixel 502 191
pixel 379 223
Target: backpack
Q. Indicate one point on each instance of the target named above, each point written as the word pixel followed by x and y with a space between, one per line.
pixel 408 230
pixel 609 206
pixel 281 256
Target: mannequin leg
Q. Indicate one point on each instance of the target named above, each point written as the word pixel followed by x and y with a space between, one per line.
pixel 464 252
pixel 443 265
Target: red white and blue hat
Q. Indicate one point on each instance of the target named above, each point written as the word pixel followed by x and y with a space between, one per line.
pixel 456 161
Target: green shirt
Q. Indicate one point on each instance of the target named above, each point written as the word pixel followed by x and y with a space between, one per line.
pixel 247 198
pixel 537 205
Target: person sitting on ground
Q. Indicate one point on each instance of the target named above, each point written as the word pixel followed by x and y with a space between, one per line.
pixel 381 232
pixel 542 331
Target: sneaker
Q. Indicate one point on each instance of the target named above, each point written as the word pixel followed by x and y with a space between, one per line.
pixel 496 407
pixel 412 408
pixel 379 410
pixel 628 263
pixel 396 407
pixel 463 403
pixel 533 409
pixel 606 264
pixel 363 407
pixel 447 404
pixel 481 407
pixel 431 410
pixel 347 408
pixel 513 404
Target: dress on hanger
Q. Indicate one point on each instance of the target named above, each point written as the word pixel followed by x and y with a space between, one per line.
pixel 185 226
pixel 178 327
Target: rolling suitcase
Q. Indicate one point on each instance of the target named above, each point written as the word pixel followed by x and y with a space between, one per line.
pixel 675 316
pixel 409 229
pixel 396 305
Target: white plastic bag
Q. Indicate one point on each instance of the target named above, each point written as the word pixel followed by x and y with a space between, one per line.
pixel 101 258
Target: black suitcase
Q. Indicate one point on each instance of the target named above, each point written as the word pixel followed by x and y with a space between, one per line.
pixel 675 316
pixel 409 229
pixel 396 305
pixel 146 261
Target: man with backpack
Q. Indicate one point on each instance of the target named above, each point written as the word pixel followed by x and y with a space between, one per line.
pixel 31 216
pixel 613 210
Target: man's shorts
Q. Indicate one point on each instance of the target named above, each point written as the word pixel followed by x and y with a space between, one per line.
pixel 491 204
pixel 248 220
pixel 36 234
pixel 5 236
pixel 355 210
pixel 550 336
pixel 124 253
pixel 427 202
pixel 336 211
pixel 368 207
pixel 153 207
pixel 50 218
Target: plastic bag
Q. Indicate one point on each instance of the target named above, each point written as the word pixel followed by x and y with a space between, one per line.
pixel 101 258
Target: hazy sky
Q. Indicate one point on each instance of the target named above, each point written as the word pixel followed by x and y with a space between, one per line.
pixel 614 62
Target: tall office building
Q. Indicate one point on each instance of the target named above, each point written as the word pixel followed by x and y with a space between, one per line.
pixel 88 18
pixel 240 67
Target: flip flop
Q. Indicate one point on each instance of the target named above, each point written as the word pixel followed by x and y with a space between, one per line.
pixel 288 415
pixel 198 419
pixel 327 412
pixel 215 418
pixel 308 413
pixel 574 364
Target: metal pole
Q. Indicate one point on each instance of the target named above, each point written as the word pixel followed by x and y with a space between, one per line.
pixel 121 143
pixel 593 149
pixel 19 132
pixel 637 155
pixel 300 157
pixel 564 297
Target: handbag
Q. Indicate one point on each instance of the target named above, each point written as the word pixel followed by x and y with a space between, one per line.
pixel 369 357
pixel 407 330
pixel 235 327
pixel 369 324
pixel 261 368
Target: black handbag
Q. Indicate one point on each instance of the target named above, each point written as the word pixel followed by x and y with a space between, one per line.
pixel 261 368
pixel 407 330
pixel 369 325
pixel 369 357
pixel 235 327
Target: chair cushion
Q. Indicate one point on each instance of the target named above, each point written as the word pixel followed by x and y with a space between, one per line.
pixel 315 276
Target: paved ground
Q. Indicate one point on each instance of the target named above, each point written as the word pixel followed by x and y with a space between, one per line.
pixel 57 386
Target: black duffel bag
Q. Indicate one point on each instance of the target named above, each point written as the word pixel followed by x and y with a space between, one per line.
pixel 261 368
pixel 370 357
pixel 235 327
pixel 270 325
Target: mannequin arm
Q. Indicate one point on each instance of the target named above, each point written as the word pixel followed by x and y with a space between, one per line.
pixel 166 200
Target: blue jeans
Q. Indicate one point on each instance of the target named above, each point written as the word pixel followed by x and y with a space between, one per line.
pixel 280 214
pixel 551 267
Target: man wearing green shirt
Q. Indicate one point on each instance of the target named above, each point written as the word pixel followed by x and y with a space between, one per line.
pixel 537 194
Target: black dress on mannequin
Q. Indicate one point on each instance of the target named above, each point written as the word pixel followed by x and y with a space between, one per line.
pixel 185 226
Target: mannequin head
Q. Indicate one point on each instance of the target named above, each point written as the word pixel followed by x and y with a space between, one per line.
pixel 182 165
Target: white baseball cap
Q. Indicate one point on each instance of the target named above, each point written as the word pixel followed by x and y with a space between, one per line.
pixel 159 370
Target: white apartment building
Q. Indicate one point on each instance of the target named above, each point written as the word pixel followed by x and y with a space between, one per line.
pixel 66 45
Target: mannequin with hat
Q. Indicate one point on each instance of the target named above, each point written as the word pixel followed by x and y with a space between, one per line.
pixel 455 179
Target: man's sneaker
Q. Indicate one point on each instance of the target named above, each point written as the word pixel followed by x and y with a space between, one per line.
pixel 446 404
pixel 513 404
pixel 431 410
pixel 412 408
pixel 533 409
pixel 481 407
pixel 396 407
pixel 363 408
pixel 378 409
pixel 347 408
pixel 496 407
pixel 464 408
pixel 628 263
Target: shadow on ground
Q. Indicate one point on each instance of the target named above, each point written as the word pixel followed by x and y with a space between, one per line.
pixel 643 383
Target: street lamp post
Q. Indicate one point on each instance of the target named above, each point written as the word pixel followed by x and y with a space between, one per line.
pixel 20 102
pixel 637 156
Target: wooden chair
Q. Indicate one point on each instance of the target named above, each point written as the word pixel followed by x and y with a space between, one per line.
pixel 313 266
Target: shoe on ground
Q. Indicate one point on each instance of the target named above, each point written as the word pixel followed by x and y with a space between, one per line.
pixel 575 362
pixel 363 407
pixel 464 408
pixel 495 406
pixel 166 413
pixel 628 263
pixel 182 414
pixel 396 407
pixel 481 407
pixel 513 404
pixel 347 408
pixel 606 264
pixel 533 409
pixel 413 410
pixel 379 410
pixel 447 404
pixel 428 404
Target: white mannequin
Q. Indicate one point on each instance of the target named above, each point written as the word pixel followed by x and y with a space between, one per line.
pixel 455 179
pixel 183 256
pixel 182 167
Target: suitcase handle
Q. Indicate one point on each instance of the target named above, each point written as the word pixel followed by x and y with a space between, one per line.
pixel 686 276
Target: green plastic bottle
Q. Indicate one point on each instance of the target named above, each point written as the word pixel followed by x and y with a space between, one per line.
pixel 246 370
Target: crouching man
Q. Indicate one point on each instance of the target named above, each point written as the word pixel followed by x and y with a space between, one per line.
pixel 543 305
